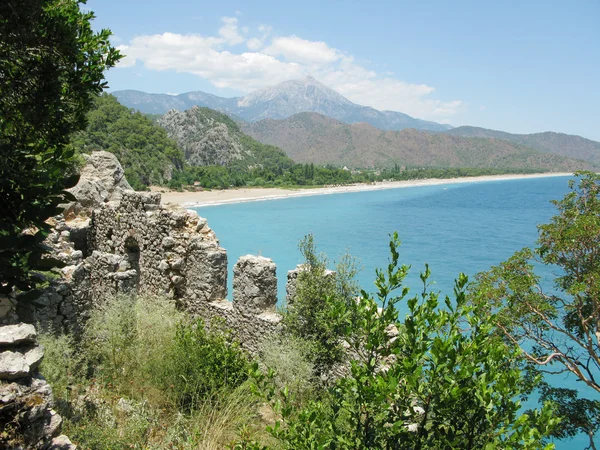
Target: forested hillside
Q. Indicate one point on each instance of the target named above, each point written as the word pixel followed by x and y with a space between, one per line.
pixel 143 148
pixel 208 149
pixel 310 137
pixel 567 145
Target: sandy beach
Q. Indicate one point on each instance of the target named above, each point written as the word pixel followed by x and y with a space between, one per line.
pixel 221 197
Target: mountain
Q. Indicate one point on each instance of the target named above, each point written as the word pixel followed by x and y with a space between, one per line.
pixel 147 155
pixel 208 137
pixel 279 102
pixel 311 137
pixel 567 145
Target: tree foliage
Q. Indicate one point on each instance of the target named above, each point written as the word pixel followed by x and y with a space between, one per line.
pixel 142 147
pixel 442 378
pixel 556 326
pixel 311 315
pixel 51 66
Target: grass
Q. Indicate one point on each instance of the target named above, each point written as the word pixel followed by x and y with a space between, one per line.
pixel 145 376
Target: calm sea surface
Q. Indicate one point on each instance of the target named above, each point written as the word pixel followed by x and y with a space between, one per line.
pixel 455 228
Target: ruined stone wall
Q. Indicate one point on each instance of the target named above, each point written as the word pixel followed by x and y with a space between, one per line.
pixel 117 241
pixel 27 419
pixel 138 246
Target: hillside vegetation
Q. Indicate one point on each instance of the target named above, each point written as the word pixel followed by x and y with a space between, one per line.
pixel 310 137
pixel 567 145
pixel 143 148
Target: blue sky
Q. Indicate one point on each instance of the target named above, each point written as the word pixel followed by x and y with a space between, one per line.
pixel 517 66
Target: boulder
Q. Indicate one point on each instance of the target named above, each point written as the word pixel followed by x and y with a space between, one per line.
pixel 61 442
pixel 102 180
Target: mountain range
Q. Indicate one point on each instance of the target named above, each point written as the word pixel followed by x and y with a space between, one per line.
pixel 568 145
pixel 313 123
pixel 279 102
pixel 311 137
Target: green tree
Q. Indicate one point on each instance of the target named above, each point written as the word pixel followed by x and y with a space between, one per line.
pixel 311 316
pixel 558 326
pixel 51 67
pixel 142 147
pixel 442 378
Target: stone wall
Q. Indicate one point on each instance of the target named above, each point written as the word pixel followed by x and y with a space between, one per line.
pixel 125 242
pixel 27 419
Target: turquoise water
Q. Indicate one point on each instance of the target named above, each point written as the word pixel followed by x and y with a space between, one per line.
pixel 464 227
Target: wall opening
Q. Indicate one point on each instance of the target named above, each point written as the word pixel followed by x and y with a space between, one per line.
pixel 132 254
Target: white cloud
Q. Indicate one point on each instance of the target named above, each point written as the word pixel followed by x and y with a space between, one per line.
pixel 293 48
pixel 256 43
pixel 282 58
pixel 230 31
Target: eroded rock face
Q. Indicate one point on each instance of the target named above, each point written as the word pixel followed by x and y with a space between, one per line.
pixel 204 140
pixel 102 180
pixel 254 284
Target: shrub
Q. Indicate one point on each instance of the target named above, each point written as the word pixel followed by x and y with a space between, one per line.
pixel 156 379
pixel 202 363
pixel 446 381
pixel 312 316
pixel 289 359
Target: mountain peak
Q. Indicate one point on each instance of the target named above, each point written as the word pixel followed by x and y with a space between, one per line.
pixel 301 95
pixel 309 79
pixel 284 100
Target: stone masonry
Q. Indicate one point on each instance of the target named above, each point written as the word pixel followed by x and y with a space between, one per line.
pixel 27 419
pixel 125 242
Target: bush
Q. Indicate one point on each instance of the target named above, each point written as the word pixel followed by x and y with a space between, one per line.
pixel 62 365
pixel 289 359
pixel 311 317
pixel 443 378
pixel 202 363
pixel 145 376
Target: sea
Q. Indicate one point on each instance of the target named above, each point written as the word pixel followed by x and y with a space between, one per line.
pixel 463 227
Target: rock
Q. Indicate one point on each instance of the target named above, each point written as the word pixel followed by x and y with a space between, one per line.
pixel 17 334
pixel 254 284
pixel 178 264
pixel 61 442
pixel 6 306
pixel 13 365
pixel 102 180
pixel 27 405
pixel 124 406
pixel 177 280
pixel 168 242
pixel 33 356
pixel 290 285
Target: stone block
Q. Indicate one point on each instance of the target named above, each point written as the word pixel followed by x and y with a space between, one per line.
pixel 17 334
pixel 254 284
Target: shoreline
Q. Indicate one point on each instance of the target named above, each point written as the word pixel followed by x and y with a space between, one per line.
pixel 244 195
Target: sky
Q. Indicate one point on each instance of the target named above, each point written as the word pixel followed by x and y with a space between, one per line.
pixel 518 66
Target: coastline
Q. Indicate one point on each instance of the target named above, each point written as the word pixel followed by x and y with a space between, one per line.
pixel 243 195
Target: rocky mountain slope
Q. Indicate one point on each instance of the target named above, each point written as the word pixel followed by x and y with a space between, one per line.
pixel 147 155
pixel 549 142
pixel 310 137
pixel 208 137
pixel 279 102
